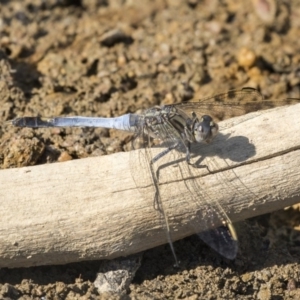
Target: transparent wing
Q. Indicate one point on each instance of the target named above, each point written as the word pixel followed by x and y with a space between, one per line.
pixel 145 176
pixel 232 104
pixel 208 213
pixel 221 240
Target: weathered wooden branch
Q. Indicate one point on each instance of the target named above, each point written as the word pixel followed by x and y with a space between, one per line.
pixel 91 208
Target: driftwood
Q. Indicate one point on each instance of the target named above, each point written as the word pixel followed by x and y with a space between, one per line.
pixel 92 209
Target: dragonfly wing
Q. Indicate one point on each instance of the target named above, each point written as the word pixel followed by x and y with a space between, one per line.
pixel 209 211
pixel 221 240
pixel 145 171
pixel 140 160
pixel 209 214
pixel 232 104
pixel 226 105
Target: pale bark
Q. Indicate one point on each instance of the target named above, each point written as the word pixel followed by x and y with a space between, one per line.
pixel 92 209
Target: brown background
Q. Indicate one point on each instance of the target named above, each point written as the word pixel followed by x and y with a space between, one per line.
pixel 107 58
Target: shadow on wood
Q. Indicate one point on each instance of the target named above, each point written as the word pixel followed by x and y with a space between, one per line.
pixel 92 209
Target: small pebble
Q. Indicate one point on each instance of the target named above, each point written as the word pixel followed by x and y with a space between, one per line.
pixel 265 9
pixel 64 156
pixel 246 58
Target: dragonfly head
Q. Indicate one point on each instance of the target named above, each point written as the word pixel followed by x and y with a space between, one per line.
pixel 205 130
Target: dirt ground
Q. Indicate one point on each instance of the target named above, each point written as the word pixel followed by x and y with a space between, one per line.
pixel 106 58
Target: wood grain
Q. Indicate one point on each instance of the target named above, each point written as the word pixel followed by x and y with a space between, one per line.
pixel 92 209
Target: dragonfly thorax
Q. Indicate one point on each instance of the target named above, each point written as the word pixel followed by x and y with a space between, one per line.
pixel 165 122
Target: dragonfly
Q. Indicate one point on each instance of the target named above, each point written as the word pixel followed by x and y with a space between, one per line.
pixel 177 127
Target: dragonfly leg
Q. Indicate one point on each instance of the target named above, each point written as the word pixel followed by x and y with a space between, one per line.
pixel 197 166
pixel 188 159
pixel 188 153
pixel 163 153
pixel 155 159
pixel 157 199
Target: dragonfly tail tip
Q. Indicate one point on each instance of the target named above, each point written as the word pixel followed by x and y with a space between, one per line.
pixel 9 122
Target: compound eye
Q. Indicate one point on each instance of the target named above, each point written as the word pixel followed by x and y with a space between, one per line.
pixel 198 129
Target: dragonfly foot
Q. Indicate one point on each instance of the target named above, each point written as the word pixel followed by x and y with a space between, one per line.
pixel 176 265
pixel 196 166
